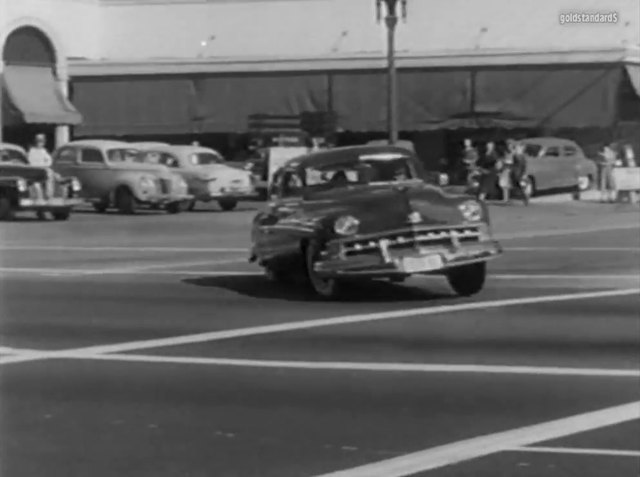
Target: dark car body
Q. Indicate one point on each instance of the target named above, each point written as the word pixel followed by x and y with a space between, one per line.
pixel 383 222
pixel 37 189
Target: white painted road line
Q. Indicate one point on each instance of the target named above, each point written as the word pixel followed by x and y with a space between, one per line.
pixel 323 322
pixel 160 266
pixel 80 248
pixel 560 276
pixel 75 272
pixel 375 367
pixel 577 451
pixel 449 454
pixel 573 249
pixel 560 232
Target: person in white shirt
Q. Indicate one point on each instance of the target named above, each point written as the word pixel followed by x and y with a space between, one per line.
pixel 38 154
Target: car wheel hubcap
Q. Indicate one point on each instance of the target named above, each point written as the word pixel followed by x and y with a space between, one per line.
pixel 583 183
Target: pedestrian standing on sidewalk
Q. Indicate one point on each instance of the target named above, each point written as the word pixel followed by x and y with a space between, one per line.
pixel 38 154
pixel 519 171
pixel 488 165
pixel 608 158
pixel 505 168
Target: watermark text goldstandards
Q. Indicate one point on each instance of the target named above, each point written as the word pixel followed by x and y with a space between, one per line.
pixel 573 18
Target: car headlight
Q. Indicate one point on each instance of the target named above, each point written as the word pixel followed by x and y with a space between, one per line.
pixel 75 185
pixel 346 225
pixel 443 179
pixel 180 183
pixel 212 186
pixel 22 185
pixel 471 211
pixel 147 183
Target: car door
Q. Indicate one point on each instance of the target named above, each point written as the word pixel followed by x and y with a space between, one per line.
pixel 94 173
pixel 570 160
pixel 278 235
pixel 65 161
pixel 549 165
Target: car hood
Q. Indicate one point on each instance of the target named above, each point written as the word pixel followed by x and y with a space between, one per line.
pixel 30 173
pixel 219 171
pixel 387 207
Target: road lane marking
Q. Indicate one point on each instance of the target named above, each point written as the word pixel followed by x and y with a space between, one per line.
pixel 560 232
pixel 376 367
pixel 75 272
pixel 468 449
pixel 559 276
pixel 65 248
pixel 573 249
pixel 160 266
pixel 577 451
pixel 323 322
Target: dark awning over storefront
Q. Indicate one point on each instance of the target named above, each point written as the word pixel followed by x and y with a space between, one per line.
pixel 633 71
pixel 31 95
pixel 533 96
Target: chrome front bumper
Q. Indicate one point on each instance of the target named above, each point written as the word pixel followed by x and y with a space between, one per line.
pixel 428 253
pixel 48 204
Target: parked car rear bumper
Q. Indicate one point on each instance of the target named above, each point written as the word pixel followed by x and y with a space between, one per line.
pixel 165 199
pixel 55 203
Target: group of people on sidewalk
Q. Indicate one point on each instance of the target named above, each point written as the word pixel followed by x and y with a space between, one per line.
pixel 504 167
pixel 610 157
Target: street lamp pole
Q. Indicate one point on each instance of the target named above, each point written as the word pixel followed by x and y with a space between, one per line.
pixel 391 22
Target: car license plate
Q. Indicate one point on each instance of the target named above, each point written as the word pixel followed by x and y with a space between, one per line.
pixel 422 264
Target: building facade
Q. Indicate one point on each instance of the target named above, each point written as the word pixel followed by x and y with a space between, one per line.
pixel 190 67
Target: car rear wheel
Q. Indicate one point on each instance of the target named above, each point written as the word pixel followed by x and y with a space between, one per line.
pixel 125 201
pixel 175 207
pixel 227 204
pixel 468 280
pixel 191 205
pixel 327 288
pixel 101 207
pixel 61 215
pixel 277 276
pixel 41 215
pixel 6 209
pixel 584 183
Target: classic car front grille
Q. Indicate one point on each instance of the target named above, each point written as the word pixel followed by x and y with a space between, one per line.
pixel 411 239
pixel 164 186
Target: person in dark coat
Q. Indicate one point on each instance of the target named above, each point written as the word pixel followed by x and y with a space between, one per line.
pixel 519 171
pixel 488 164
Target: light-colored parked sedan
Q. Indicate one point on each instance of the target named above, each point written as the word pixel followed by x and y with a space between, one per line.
pixel 205 172
pixel 110 177
pixel 556 163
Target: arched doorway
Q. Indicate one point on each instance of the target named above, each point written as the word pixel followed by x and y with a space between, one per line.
pixel 34 92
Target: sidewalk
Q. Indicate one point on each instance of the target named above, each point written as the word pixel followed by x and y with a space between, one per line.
pixel 514 219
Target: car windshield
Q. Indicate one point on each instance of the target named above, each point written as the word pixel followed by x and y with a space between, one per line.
pixel 123 155
pixel 11 155
pixel 369 169
pixel 532 150
pixel 205 158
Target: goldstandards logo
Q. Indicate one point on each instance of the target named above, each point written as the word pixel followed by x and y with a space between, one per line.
pixel 584 17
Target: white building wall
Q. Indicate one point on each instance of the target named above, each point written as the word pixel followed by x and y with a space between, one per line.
pixel 165 28
pixel 75 26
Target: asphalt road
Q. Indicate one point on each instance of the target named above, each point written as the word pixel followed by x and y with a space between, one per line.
pixel 148 346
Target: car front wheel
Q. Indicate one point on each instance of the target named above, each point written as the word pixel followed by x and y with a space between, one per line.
pixel 584 183
pixel 6 209
pixel 227 204
pixel 468 280
pixel 327 288
pixel 61 215
pixel 125 201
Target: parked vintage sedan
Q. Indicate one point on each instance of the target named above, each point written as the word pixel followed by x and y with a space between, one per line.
pixel 365 212
pixel 12 153
pixel 206 174
pixel 25 188
pixel 556 163
pixel 110 177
